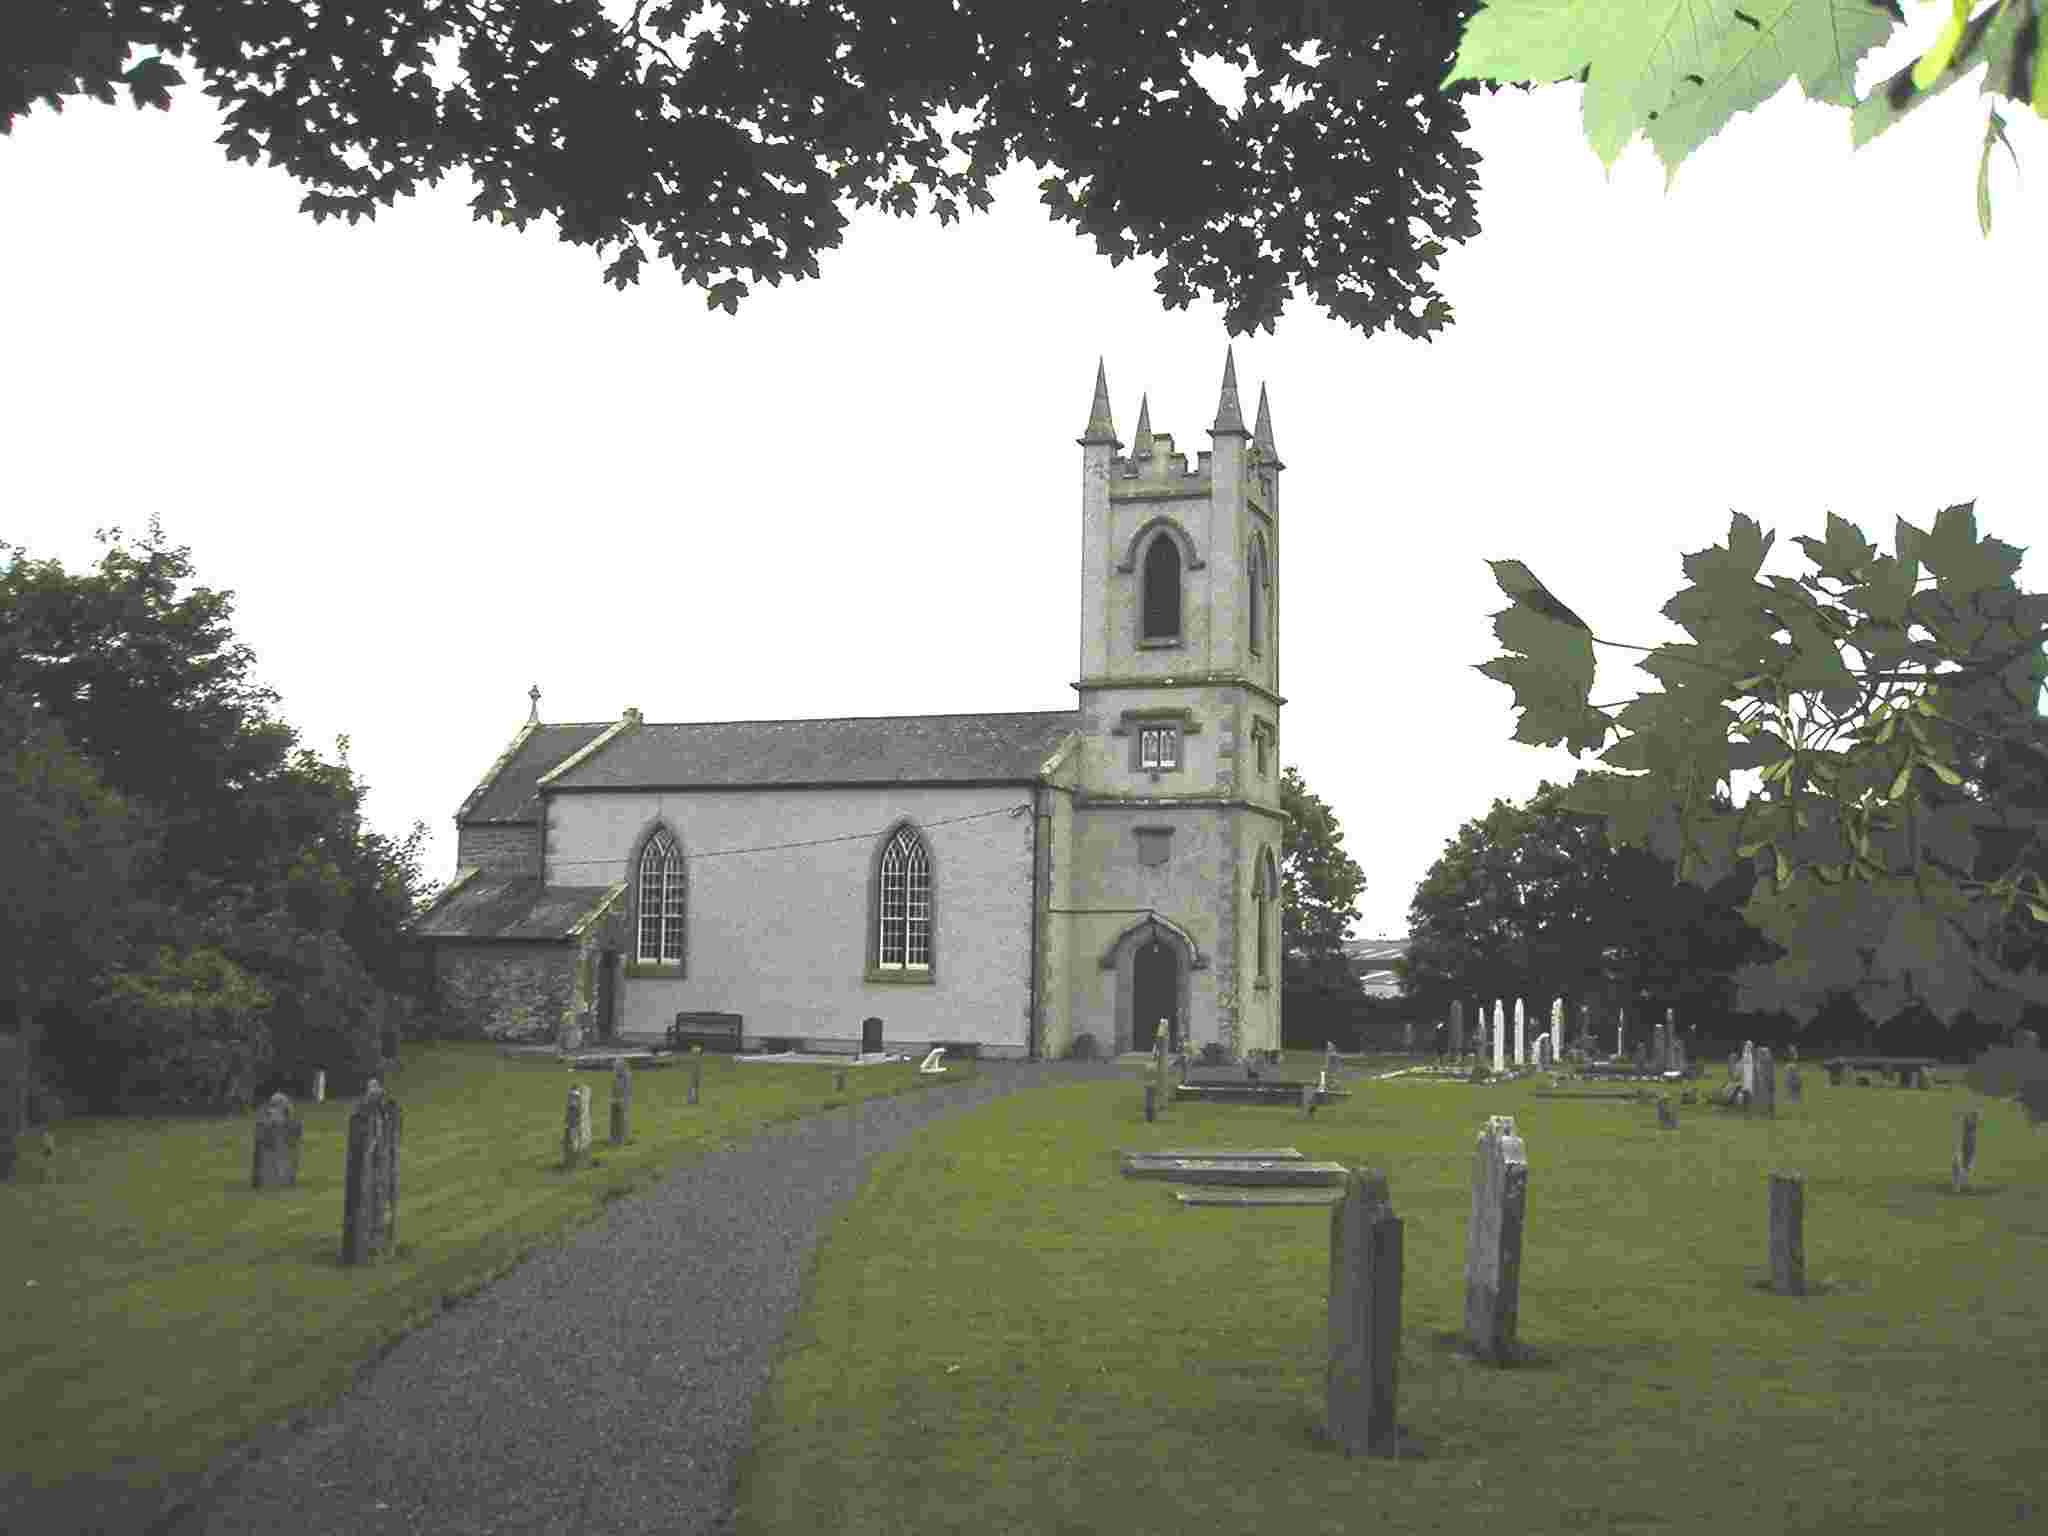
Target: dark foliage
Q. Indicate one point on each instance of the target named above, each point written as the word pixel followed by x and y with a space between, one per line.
pixel 733 151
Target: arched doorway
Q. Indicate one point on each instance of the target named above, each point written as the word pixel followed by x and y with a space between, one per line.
pixel 1155 995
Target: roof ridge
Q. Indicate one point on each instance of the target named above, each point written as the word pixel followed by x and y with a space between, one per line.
pixel 961 714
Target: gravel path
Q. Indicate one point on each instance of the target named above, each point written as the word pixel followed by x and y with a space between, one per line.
pixel 527 1408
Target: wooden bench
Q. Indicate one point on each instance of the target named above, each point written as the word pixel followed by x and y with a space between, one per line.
pixel 1909 1068
pixel 713 1031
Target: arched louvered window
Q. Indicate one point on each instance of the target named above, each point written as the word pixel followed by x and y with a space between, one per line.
pixel 1162 589
pixel 904 942
pixel 661 901
pixel 1255 570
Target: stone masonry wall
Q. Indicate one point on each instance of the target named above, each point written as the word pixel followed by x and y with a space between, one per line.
pixel 499 850
pixel 510 992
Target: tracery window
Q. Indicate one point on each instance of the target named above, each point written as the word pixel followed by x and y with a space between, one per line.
pixel 661 901
pixel 904 942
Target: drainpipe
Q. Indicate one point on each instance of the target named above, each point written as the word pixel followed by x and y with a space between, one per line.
pixel 1031 1036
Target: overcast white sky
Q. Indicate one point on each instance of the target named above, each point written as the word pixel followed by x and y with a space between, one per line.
pixel 438 462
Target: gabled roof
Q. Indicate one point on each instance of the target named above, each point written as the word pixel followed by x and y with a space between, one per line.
pixel 507 792
pixel 499 907
pixel 890 749
pixel 1372 962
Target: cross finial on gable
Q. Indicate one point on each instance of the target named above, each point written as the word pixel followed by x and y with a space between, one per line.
pixel 533 716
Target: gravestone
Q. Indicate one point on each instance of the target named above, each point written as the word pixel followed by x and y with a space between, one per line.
pixel 622 1102
pixel 1493 1244
pixel 1500 1037
pixel 576 1126
pixel 1677 1055
pixel 369 1209
pixel 1667 1117
pixel 1749 1069
pixel 1457 1027
pixel 1330 1058
pixel 14 1072
pixel 696 1071
pixel 1792 1086
pixel 320 1086
pixel 1966 1149
pixel 1788 1234
pixel 1520 1057
pixel 1408 1035
pixel 1557 1039
pixel 1362 1380
pixel 276 1162
pixel 1765 1095
pixel 870 1039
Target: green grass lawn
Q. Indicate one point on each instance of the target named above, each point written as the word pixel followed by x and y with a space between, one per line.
pixel 1004 1334
pixel 158 1310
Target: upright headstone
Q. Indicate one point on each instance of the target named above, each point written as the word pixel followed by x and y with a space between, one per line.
pixel 576 1126
pixel 622 1102
pixel 1493 1244
pixel 1792 1086
pixel 1362 1382
pixel 1408 1035
pixel 320 1086
pixel 1500 1037
pixel 1557 1027
pixel 1766 1097
pixel 369 1209
pixel 1667 1117
pixel 1788 1234
pixel 276 1162
pixel 1677 1055
pixel 1457 1027
pixel 1330 1057
pixel 1520 1057
pixel 14 1073
pixel 1670 1040
pixel 696 1071
pixel 1749 1069
pixel 1966 1149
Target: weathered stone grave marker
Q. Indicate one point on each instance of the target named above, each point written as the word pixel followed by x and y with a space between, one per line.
pixel 622 1102
pixel 1766 1092
pixel 276 1161
pixel 1493 1246
pixel 369 1210
pixel 1966 1149
pixel 576 1126
pixel 14 1068
pixel 1361 1384
pixel 1667 1117
pixel 1788 1234
pixel 320 1086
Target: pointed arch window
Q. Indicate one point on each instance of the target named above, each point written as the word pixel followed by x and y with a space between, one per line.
pixel 1255 569
pixel 661 901
pixel 1265 888
pixel 1162 589
pixel 903 941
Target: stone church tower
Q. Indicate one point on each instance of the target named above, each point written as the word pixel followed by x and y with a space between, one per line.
pixel 1176 838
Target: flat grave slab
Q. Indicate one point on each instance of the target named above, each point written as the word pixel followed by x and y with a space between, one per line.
pixel 1254 1093
pixel 1216 1154
pixel 1294 1197
pixel 1209 1170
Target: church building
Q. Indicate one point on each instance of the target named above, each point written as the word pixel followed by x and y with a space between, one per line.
pixel 1010 880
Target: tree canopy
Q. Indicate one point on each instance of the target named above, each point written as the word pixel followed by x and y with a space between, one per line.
pixel 726 138
pixel 1676 71
pixel 203 884
pixel 1884 871
pixel 1531 901
pixel 1319 888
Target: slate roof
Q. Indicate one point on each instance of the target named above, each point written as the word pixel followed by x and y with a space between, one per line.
pixel 501 907
pixel 1372 962
pixel 508 793
pixel 890 749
